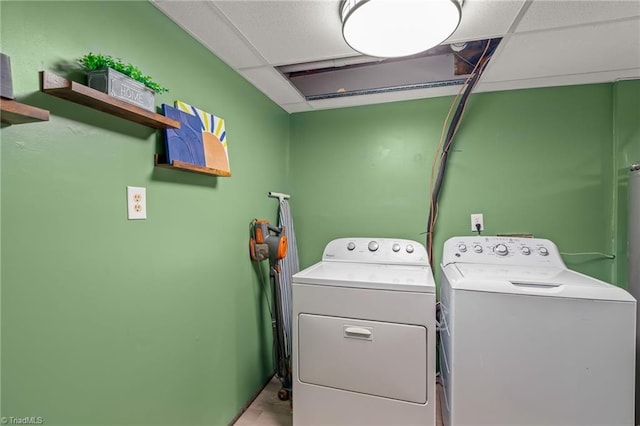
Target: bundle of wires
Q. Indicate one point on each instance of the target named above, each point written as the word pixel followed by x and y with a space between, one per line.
pixel 446 141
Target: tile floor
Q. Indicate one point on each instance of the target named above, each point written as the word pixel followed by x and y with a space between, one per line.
pixel 268 410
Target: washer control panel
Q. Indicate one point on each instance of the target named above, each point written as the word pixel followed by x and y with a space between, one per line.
pixel 502 251
pixel 376 250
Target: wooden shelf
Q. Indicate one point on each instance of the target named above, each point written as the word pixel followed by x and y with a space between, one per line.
pixel 160 161
pixel 75 92
pixel 13 112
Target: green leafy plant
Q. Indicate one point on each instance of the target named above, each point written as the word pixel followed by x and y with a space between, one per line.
pixel 92 62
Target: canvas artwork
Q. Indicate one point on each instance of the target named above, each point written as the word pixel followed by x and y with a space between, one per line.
pixel 201 140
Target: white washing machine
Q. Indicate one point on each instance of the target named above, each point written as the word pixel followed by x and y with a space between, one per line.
pixel 526 341
pixel 364 335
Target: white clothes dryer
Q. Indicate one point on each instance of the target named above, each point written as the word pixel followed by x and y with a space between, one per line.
pixel 526 341
pixel 364 335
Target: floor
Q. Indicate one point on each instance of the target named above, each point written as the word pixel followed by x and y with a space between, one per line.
pixel 268 410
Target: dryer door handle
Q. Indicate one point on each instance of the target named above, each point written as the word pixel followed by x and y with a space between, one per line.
pixel 355 332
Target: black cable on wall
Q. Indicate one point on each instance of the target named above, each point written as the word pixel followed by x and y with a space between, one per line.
pixel 448 142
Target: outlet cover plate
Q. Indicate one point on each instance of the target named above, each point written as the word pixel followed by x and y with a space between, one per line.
pixel 136 202
pixel 477 218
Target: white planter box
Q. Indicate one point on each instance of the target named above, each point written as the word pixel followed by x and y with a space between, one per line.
pixel 120 86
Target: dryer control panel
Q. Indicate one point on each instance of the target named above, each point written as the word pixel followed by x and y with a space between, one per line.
pixel 501 251
pixel 376 250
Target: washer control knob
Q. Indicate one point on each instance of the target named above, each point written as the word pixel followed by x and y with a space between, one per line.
pixel 501 250
pixel 477 248
pixel 409 248
pixel 525 250
pixel 543 251
pixel 395 247
pixel 373 246
pixel 351 246
pixel 462 248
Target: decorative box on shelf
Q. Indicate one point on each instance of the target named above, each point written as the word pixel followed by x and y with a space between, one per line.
pixel 118 85
pixel 60 87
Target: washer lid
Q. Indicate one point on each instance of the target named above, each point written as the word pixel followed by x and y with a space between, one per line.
pixel 532 281
pixel 370 276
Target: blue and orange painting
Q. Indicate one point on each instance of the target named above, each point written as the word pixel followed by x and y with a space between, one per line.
pixel 201 139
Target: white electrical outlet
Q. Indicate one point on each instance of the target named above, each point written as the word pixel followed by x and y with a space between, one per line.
pixel 136 202
pixel 477 219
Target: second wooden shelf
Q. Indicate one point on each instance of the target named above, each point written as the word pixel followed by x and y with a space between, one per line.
pixel 75 92
pixel 160 161
pixel 13 112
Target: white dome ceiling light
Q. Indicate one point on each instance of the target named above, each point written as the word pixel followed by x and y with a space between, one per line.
pixel 394 28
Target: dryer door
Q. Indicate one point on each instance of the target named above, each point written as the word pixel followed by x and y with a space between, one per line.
pixel 370 357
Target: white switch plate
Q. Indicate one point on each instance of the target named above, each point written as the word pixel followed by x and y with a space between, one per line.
pixel 136 202
pixel 476 218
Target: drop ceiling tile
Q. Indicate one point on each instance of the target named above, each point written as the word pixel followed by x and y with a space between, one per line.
pixel 482 19
pixel 286 32
pixel 567 51
pixel 201 20
pixel 544 14
pixel 272 84
pixel 561 80
pixel 379 98
pixel 296 107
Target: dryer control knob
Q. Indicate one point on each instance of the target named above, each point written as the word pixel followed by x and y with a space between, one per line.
pixel 462 248
pixel 410 248
pixel 501 250
pixel 526 251
pixel 373 246
pixel 351 246
pixel 477 248
pixel 543 251
pixel 395 247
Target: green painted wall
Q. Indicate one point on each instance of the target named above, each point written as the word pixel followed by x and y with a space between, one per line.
pixel 113 322
pixel 627 150
pixel 536 161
